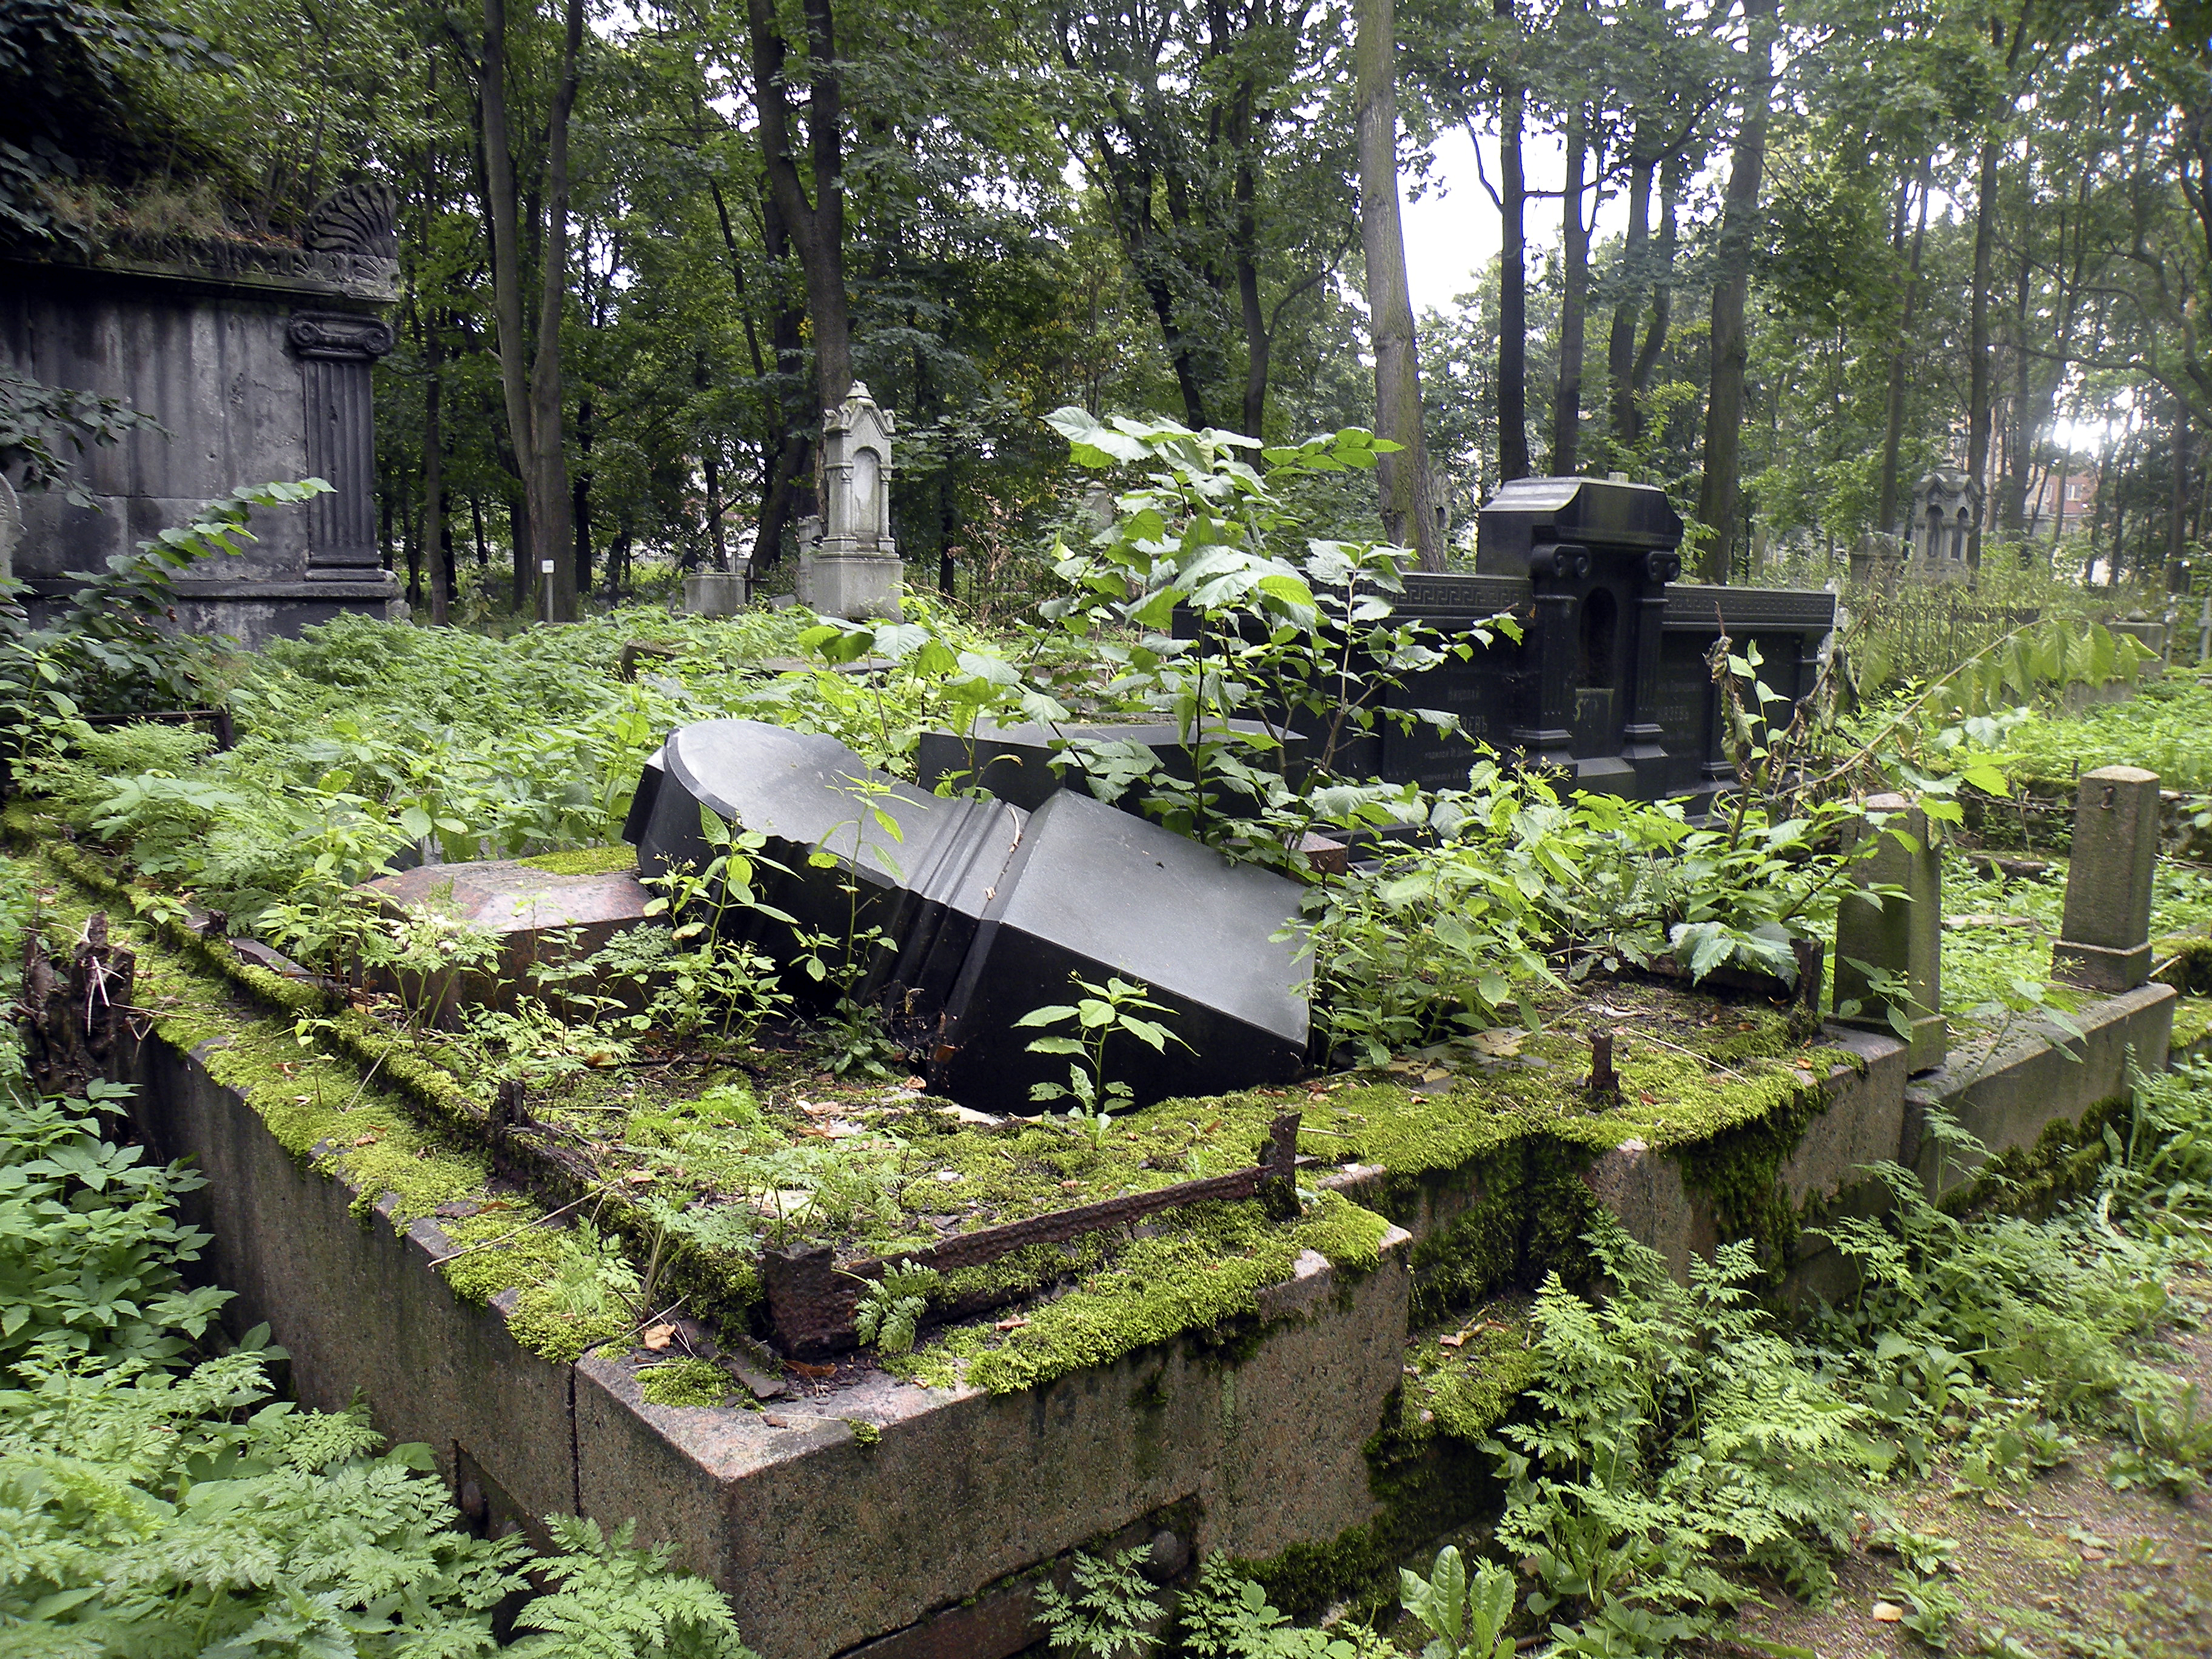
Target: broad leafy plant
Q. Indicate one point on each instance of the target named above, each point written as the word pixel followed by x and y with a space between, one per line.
pixel 1116 1008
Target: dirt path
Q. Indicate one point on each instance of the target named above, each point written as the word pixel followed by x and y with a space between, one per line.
pixel 2065 1566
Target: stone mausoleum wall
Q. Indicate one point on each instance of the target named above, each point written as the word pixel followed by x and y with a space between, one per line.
pixel 257 360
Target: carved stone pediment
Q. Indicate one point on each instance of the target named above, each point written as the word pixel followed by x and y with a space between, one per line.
pixel 360 218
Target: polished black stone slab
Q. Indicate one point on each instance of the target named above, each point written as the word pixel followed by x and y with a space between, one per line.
pixel 984 911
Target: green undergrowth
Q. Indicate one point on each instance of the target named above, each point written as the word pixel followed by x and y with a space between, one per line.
pixel 2161 728
pixel 2192 1022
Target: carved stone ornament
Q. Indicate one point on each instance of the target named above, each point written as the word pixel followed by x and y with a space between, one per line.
pixel 342 336
pixel 360 218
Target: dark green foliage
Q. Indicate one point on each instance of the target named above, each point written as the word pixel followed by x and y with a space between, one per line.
pixel 37 420
pixel 156 1505
pixel 90 1246
pixel 1675 1430
pixel 1111 1614
pixel 112 651
pixel 79 106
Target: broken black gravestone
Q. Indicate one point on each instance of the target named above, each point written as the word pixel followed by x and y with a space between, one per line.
pixel 983 911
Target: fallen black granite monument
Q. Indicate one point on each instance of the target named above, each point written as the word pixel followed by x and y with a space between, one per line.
pixel 983 911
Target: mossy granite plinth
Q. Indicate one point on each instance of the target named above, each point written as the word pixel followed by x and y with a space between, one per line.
pixel 1896 934
pixel 2104 942
pixel 2007 1092
pixel 825 1539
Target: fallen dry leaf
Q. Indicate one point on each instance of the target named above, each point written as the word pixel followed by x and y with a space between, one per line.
pixel 640 1177
pixel 369 1139
pixel 1457 1339
pixel 1887 1612
pixel 1009 1324
pixel 657 1337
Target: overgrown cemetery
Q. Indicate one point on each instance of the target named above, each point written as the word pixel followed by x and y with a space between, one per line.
pixel 661 1005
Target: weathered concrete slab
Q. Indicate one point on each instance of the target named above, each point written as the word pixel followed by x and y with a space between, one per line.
pixel 354 1301
pixel 537 915
pixel 2037 1077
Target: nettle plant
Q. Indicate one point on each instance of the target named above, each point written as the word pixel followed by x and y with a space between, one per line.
pixel 1093 1019
pixel 1193 602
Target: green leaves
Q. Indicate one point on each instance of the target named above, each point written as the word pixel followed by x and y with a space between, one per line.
pixel 1461 1618
pixel 161 1507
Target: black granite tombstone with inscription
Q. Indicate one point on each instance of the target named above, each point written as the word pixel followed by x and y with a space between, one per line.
pixel 1609 686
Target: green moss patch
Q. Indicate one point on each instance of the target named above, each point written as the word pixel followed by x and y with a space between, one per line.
pixel 586 860
pixel 1201 1273
pixel 684 1382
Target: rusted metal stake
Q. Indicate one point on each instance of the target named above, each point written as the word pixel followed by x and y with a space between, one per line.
pixel 1603 1079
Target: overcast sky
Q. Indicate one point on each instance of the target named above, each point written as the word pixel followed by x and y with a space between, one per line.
pixel 1452 231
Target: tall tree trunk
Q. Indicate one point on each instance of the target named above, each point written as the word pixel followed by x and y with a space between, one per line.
pixel 552 512
pixel 2177 538
pixel 1408 514
pixel 530 381
pixel 1662 286
pixel 2019 455
pixel 581 493
pixel 1574 243
pixel 1986 208
pixel 816 228
pixel 784 466
pixel 1259 342
pixel 1977 380
pixel 1721 491
pixel 517 530
pixel 1512 270
pixel 433 462
pixel 1620 346
pixel 1893 432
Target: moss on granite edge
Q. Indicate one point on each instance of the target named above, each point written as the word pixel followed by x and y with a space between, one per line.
pixel 1202 1273
pixel 585 861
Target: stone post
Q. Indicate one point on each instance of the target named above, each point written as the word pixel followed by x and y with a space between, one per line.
pixel 1900 935
pixel 853 571
pixel 2105 941
pixel 715 593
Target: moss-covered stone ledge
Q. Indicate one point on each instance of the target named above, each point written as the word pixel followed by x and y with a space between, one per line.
pixel 2013 1088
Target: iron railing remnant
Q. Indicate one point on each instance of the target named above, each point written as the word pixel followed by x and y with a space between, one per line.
pixel 811 1296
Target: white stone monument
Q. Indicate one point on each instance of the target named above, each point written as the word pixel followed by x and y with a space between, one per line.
pixel 1946 504
pixel 853 570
